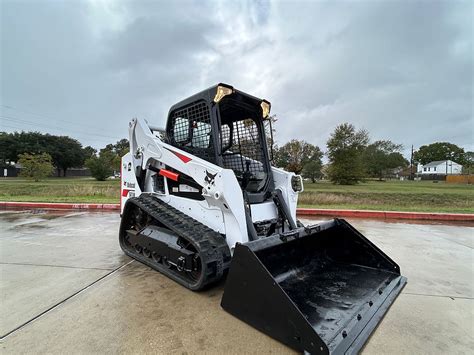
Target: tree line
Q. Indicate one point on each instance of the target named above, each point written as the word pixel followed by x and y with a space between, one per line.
pixel 353 157
pixel 64 152
pixel 351 154
pixel 41 154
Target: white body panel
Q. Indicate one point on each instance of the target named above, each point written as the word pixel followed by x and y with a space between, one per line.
pixel 199 210
pixel 223 206
pixel 128 181
pixel 282 180
pixel 263 211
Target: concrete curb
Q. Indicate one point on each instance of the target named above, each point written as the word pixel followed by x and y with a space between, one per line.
pixel 304 212
pixel 431 216
pixel 60 206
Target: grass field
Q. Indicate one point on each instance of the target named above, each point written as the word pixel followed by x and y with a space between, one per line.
pixel 421 196
pixel 60 190
pixel 372 195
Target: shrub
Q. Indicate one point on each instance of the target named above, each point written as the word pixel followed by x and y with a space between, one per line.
pixel 101 167
pixel 35 166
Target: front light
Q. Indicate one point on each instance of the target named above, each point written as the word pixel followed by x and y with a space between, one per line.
pixel 221 92
pixel 265 105
pixel 297 183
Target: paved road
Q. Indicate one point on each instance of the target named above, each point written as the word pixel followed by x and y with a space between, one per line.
pixel 66 287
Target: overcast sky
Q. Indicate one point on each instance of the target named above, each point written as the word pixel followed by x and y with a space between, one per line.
pixel 403 70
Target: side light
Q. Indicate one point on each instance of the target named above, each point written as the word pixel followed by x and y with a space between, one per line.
pixel 297 183
pixel 221 92
pixel 265 105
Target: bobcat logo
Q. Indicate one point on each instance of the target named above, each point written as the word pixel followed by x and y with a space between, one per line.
pixel 210 178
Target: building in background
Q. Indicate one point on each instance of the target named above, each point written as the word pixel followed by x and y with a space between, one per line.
pixel 440 167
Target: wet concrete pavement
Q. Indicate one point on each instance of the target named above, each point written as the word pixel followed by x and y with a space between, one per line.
pixel 66 287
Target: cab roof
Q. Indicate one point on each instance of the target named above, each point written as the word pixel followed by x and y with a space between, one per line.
pixel 209 94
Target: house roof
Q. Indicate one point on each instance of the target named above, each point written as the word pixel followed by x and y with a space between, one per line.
pixel 435 163
pixel 438 162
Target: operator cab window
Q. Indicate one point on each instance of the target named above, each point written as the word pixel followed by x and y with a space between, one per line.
pixel 201 134
pixel 242 142
pixel 191 130
pixel 181 130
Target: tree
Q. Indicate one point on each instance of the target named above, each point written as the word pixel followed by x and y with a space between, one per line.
pixel 36 166
pixel 7 145
pixel 101 166
pixel 345 152
pixel 17 143
pixel 66 153
pixel 439 151
pixel 382 156
pixel 295 154
pixel 468 162
pixel 122 147
pixel 88 152
pixel 118 150
pixel 312 169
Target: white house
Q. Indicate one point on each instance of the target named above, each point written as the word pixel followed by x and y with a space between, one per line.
pixel 440 167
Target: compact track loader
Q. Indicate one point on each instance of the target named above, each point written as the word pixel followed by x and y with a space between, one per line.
pixel 200 201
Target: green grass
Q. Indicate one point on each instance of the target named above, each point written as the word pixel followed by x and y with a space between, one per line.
pixel 85 190
pixel 418 196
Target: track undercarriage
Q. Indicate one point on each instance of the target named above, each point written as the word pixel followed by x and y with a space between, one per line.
pixel 168 241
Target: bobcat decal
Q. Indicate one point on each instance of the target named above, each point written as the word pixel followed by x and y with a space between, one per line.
pixel 210 178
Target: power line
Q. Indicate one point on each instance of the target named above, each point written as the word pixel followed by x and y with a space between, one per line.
pixel 46 116
pixel 16 119
pixel 97 143
pixel 88 138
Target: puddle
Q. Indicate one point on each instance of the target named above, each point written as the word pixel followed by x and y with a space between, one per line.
pixel 13 216
pixel 10 216
pixel 30 226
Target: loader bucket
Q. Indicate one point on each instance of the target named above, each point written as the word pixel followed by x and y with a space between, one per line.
pixel 322 289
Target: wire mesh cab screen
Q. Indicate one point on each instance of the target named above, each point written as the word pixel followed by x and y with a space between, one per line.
pixel 242 144
pixel 191 130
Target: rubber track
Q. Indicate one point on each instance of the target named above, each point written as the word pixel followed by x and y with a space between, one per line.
pixel 211 246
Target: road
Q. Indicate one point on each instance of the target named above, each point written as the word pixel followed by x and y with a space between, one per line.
pixel 66 287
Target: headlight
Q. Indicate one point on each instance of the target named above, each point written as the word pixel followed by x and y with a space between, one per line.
pixel 222 91
pixel 297 183
pixel 265 105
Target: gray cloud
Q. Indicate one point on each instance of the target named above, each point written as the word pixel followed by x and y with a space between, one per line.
pixel 401 69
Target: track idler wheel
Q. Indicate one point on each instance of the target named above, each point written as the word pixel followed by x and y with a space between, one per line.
pixel 196 273
pixel 156 258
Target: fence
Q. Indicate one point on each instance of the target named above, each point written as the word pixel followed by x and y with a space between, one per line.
pixel 72 172
pixel 11 171
pixel 460 179
pixel 434 177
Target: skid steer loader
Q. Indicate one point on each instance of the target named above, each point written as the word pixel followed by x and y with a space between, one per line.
pixel 200 201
